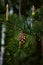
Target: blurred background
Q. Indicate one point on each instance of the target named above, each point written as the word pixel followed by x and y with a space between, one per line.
pixel 24 16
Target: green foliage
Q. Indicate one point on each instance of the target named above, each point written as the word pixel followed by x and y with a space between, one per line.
pixel 16 55
pixel 13 54
pixel 39 14
pixel 37 27
pixel 27 54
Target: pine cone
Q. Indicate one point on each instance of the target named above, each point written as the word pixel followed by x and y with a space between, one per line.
pixel 22 37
